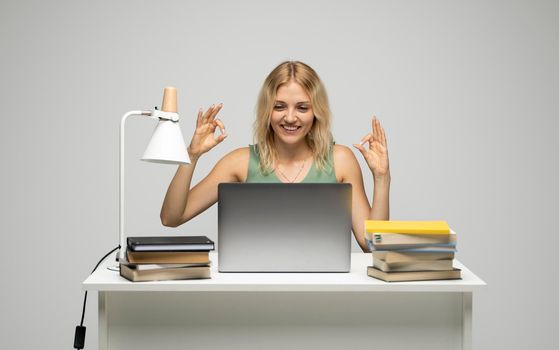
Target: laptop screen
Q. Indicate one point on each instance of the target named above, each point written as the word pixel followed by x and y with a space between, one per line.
pixel 271 227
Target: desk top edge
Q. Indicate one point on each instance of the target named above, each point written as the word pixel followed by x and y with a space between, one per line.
pixel 354 281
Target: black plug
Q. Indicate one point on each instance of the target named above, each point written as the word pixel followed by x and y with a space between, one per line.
pixel 79 337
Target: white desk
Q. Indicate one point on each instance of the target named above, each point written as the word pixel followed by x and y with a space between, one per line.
pixel 284 310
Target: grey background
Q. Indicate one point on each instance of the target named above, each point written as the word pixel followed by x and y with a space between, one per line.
pixel 467 93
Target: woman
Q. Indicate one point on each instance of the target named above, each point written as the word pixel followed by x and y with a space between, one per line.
pixel 293 144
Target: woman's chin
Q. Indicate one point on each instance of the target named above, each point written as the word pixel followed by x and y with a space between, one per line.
pixel 290 139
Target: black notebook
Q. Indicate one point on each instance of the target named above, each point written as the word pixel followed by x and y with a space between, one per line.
pixel 169 243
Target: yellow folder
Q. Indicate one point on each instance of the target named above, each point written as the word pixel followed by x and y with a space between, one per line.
pixel 384 226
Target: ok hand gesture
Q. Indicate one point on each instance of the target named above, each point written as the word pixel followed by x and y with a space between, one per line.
pixel 204 139
pixel 377 153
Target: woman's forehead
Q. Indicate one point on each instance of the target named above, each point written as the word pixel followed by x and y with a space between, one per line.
pixel 292 92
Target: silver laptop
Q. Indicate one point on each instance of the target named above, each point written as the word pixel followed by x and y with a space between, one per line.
pixel 267 227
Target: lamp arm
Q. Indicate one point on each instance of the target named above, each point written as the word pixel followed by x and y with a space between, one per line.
pixel 121 236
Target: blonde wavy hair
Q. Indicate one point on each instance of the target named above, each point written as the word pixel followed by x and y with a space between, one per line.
pixel 319 139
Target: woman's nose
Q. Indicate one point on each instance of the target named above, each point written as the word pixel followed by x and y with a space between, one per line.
pixel 290 117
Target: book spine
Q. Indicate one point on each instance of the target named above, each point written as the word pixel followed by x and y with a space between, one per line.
pixel 410 227
pixel 404 238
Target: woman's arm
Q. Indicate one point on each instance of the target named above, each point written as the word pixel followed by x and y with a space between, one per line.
pixel 181 203
pixel 377 159
pixel 349 171
pixel 381 199
pixel 175 200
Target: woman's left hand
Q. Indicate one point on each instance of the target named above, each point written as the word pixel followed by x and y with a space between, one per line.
pixel 377 154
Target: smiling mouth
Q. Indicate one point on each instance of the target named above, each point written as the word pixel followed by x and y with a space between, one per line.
pixel 290 128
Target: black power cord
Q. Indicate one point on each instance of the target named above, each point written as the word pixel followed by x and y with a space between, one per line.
pixel 79 335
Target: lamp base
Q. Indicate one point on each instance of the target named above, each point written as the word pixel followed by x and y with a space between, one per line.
pixel 116 265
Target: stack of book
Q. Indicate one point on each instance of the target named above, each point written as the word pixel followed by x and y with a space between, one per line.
pixel 166 258
pixel 411 250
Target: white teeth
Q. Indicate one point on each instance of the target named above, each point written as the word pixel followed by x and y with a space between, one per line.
pixel 290 128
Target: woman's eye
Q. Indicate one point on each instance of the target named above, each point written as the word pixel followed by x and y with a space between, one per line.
pixel 278 107
pixel 303 109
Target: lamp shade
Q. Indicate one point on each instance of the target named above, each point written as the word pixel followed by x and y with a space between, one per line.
pixel 166 145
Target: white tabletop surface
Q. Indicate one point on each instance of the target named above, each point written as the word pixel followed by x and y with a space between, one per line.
pixel 356 280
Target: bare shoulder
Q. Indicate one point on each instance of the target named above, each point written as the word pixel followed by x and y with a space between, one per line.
pixel 237 162
pixel 238 154
pixel 344 156
pixel 345 163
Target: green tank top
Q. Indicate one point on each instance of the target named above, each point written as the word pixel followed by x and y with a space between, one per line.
pixel 313 176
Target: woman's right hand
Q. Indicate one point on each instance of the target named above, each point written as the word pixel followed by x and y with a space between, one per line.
pixel 204 139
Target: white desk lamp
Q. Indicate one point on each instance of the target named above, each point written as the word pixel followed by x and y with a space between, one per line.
pixel 166 146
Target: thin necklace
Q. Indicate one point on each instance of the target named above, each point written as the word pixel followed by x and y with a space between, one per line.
pixel 296 176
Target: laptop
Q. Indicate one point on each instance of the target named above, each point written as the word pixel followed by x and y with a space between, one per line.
pixel 271 227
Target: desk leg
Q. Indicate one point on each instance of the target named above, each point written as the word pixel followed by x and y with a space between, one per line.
pixel 467 321
pixel 103 322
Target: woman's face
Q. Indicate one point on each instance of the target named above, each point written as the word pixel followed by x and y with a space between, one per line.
pixel 292 115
